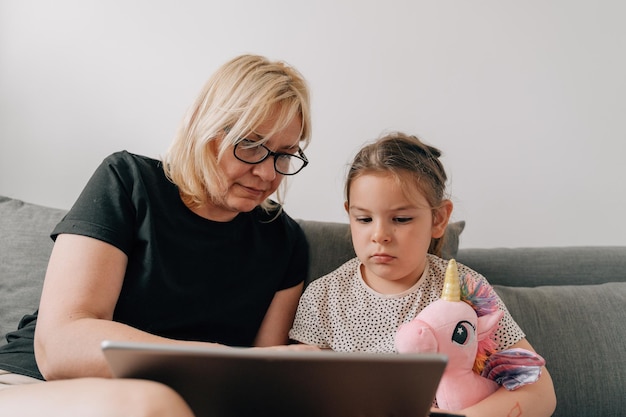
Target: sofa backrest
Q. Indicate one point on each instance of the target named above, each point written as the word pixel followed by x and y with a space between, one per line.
pixel 531 267
pixel 25 247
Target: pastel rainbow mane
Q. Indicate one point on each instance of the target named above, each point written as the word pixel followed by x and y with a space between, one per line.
pixel 483 300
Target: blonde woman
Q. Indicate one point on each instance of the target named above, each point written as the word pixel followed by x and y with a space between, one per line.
pixel 184 250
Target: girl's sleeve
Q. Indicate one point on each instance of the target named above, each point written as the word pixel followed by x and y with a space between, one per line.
pixel 308 326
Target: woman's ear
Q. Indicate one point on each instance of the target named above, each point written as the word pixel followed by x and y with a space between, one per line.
pixel 441 217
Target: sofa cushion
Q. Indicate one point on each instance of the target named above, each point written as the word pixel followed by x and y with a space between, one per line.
pixel 580 332
pixel 330 244
pixel 25 247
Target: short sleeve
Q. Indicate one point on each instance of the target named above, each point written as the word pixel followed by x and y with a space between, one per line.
pixel 105 210
pixel 307 326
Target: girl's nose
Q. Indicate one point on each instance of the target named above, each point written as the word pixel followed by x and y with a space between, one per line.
pixel 381 233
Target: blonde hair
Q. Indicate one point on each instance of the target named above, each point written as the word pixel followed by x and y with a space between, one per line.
pixel 410 161
pixel 236 99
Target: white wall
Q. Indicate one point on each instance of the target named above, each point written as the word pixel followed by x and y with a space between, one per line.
pixel 526 98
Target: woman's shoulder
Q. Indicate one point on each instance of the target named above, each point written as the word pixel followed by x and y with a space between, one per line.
pixel 131 168
pixel 126 158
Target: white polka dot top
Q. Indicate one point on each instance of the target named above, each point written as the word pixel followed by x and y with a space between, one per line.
pixel 340 312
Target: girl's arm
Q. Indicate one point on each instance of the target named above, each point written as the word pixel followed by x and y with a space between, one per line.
pixel 82 285
pixel 537 399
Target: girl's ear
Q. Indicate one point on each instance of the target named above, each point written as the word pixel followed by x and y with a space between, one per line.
pixel 441 217
pixel 346 207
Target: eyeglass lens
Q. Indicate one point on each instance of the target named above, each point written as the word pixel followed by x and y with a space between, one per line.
pixel 248 151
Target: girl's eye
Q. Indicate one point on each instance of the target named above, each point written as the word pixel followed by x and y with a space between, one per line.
pixel 403 219
pixel 363 219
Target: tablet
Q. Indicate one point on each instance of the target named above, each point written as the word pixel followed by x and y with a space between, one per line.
pixel 242 382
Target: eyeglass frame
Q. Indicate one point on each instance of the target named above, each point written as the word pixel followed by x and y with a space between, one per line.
pixel 301 156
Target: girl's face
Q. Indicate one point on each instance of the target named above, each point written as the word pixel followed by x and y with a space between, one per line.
pixel 248 185
pixel 391 233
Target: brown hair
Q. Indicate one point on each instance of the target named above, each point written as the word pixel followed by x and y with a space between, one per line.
pixel 411 162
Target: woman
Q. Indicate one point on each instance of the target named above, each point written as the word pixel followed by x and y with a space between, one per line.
pixel 187 250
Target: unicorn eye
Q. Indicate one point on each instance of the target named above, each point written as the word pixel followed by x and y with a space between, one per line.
pixel 461 335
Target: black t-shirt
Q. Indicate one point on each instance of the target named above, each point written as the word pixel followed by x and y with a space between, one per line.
pixel 187 277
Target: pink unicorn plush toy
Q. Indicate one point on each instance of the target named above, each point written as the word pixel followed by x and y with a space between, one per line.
pixel 464 333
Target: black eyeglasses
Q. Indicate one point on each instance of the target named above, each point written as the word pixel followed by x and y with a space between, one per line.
pixel 251 152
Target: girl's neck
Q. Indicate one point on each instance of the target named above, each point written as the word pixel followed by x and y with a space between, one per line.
pixel 389 287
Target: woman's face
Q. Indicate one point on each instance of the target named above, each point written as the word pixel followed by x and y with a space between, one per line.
pixel 248 185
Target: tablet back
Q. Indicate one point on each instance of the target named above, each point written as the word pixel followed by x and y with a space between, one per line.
pixel 238 382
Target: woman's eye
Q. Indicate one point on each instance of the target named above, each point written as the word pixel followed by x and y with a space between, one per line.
pixel 249 144
pixel 250 151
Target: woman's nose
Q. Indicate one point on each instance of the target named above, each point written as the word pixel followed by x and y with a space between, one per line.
pixel 265 169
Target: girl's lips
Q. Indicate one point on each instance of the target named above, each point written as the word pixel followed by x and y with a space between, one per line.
pixel 381 258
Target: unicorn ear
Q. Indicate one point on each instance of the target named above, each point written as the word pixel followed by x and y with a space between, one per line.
pixel 452 283
pixel 487 324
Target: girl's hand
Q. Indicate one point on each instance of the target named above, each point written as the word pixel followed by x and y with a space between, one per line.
pixel 437 412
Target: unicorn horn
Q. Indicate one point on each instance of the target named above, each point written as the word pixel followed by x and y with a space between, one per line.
pixel 452 284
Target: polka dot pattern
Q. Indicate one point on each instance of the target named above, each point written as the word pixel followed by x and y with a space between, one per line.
pixel 340 312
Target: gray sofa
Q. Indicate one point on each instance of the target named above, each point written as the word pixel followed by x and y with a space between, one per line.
pixel 571 301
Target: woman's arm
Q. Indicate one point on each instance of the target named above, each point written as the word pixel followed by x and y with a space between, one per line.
pixel 275 327
pixel 537 399
pixel 82 285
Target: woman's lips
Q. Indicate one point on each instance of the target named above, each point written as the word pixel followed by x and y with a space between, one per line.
pixel 254 191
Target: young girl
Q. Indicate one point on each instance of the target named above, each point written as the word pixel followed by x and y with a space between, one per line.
pixel 398 210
